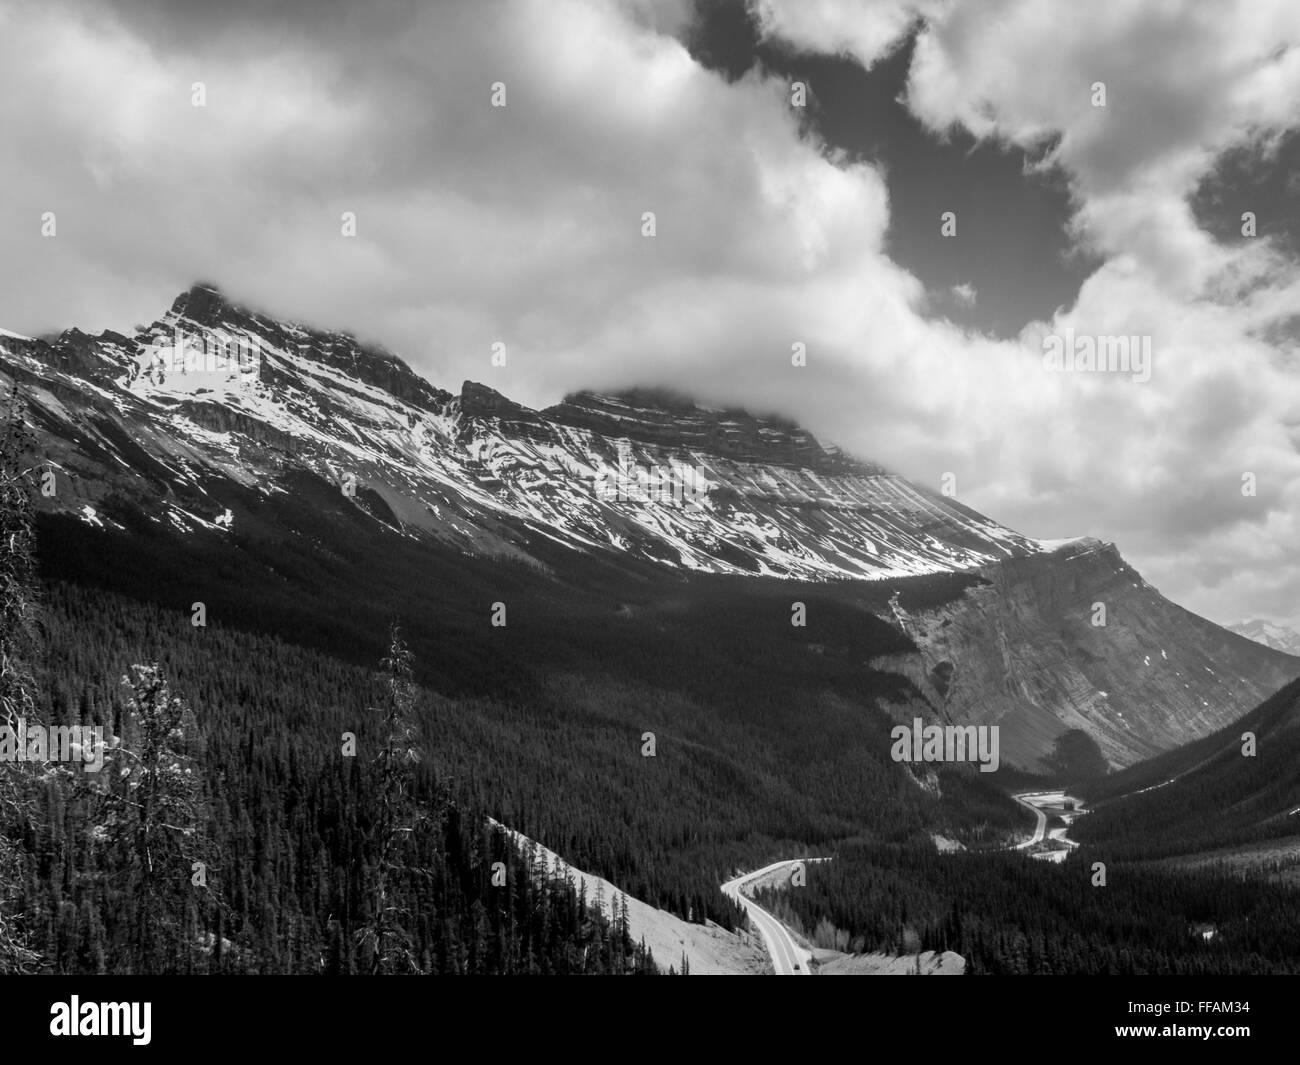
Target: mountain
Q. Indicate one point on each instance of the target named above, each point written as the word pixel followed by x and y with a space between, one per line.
pixel 1153 676
pixel 220 423
pixel 215 391
pixel 1278 637
pixel 1225 799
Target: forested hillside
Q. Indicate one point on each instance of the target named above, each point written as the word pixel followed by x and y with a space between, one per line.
pixel 728 785
pixel 241 807
pixel 1238 786
pixel 769 738
pixel 286 824
pixel 1006 914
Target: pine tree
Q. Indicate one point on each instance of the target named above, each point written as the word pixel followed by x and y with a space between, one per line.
pixel 17 701
pixel 17 567
pixel 385 934
pixel 154 823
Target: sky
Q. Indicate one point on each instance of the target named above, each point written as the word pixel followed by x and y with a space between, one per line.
pixel 776 223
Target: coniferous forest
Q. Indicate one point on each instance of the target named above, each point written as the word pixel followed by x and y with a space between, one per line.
pixel 230 833
pixel 320 785
pixel 1008 915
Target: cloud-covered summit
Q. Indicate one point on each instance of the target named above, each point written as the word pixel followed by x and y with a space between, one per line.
pixel 523 225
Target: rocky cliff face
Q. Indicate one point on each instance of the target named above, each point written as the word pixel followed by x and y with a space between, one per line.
pixel 1075 638
pixel 204 311
pixel 653 416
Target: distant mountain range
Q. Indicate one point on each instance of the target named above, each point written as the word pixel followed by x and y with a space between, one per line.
pixel 197 425
pixel 1278 637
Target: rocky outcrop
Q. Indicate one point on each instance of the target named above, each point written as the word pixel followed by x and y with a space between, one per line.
pixel 96 358
pixel 1075 638
pixel 221 419
pixel 371 364
pixel 655 416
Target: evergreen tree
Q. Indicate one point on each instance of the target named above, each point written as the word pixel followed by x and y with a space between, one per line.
pixel 153 820
pixel 385 935
pixel 17 703
pixel 17 567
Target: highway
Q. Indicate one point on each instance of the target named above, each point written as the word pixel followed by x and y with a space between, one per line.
pixel 788 958
pixel 1040 829
pixel 1036 800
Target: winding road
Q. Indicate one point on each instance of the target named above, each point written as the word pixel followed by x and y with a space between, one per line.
pixel 788 958
pixel 1040 829
pixel 1038 801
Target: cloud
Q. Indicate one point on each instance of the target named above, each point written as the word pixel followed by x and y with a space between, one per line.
pixel 1157 467
pixel 523 224
pixel 866 31
pixel 963 295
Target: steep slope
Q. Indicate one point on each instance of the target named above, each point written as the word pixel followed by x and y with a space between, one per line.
pixel 1023 651
pixel 705 949
pixel 1217 794
pixel 217 420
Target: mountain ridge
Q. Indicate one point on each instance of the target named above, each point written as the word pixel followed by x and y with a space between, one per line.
pixel 204 419
pixel 1270 634
pixel 692 486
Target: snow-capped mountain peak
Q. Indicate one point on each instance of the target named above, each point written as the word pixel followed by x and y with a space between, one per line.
pixel 1278 637
pixel 212 389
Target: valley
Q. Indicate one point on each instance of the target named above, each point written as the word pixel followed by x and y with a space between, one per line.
pixel 771 633
pixel 1052 845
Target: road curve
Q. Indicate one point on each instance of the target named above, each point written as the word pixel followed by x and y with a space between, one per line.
pixel 788 958
pixel 1039 829
pixel 1036 800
